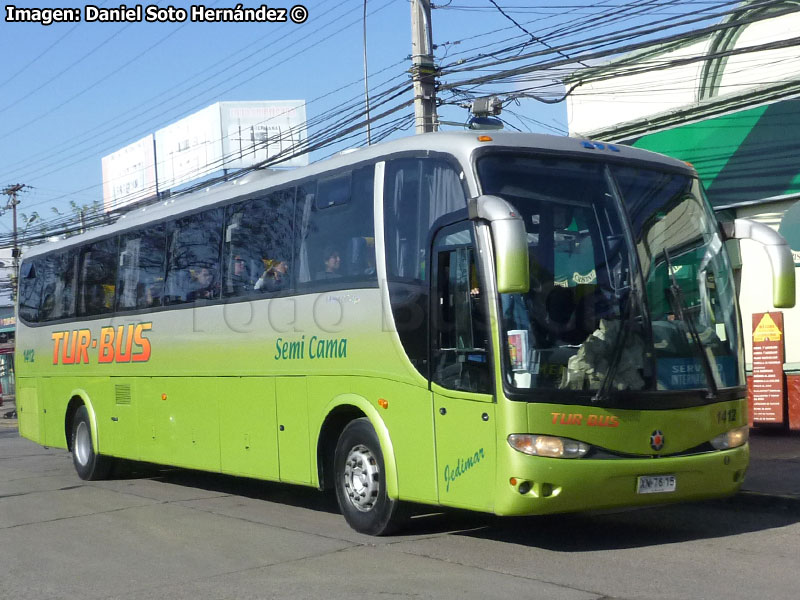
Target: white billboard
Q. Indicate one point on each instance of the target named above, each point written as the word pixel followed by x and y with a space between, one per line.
pixel 229 135
pixel 189 149
pixel 129 174
pixel 256 131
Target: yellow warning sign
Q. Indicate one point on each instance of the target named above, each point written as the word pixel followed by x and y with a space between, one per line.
pixel 766 330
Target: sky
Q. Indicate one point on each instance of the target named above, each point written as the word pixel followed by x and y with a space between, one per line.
pixel 71 93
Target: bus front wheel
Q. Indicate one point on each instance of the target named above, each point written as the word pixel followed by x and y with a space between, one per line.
pixel 89 465
pixel 361 481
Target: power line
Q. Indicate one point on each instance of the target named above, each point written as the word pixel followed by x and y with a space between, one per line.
pixel 596 54
pixel 331 134
pixel 333 112
pixel 273 64
pixel 533 37
pixel 205 75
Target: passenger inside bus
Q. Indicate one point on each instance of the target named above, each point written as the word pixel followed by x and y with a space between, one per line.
pixel 275 277
pixel 201 285
pixel 331 261
pixel 240 278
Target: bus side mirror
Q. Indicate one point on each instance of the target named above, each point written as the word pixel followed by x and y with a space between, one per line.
pixel 780 256
pixel 510 242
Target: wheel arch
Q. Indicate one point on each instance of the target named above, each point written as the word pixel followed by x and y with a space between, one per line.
pixel 338 413
pixel 77 399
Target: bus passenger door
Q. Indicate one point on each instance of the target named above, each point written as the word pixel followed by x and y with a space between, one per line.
pixel 461 380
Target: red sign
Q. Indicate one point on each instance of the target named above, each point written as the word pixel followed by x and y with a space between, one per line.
pixel 767 390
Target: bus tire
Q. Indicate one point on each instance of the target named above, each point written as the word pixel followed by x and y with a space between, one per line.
pixel 361 481
pixel 89 465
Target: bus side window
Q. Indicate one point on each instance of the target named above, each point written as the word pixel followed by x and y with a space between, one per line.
pixel 98 277
pixel 258 244
pixel 193 269
pixel 416 193
pixel 460 332
pixel 141 268
pixel 58 286
pixel 337 244
pixel 30 289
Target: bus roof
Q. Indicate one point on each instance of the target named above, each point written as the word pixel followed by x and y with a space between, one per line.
pixel 459 144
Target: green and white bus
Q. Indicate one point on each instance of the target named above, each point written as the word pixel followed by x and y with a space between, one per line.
pixel 510 323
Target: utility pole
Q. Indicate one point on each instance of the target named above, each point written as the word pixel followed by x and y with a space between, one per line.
pixel 11 191
pixel 422 67
pixel 366 79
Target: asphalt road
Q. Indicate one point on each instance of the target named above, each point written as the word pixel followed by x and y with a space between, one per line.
pixel 179 534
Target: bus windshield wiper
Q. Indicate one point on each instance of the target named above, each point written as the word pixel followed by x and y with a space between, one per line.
pixel 634 295
pixel 602 394
pixel 676 295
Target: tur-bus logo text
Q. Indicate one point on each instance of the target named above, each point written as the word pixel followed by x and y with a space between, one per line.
pixel 120 344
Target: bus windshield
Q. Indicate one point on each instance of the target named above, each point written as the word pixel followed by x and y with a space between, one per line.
pixel 631 289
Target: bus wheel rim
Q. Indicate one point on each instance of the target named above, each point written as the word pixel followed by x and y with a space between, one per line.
pixel 361 478
pixel 83 443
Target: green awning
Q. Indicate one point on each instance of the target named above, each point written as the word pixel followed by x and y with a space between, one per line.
pixel 743 156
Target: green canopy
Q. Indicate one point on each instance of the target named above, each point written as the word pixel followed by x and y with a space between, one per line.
pixel 742 156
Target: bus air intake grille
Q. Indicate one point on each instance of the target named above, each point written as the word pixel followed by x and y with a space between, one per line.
pixel 122 394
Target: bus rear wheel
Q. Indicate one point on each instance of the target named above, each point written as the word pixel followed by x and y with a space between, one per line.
pixel 89 465
pixel 361 481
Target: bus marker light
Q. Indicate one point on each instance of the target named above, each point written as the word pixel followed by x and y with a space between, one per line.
pixel 163 396
pixel 383 403
pixel 485 138
pixel 513 481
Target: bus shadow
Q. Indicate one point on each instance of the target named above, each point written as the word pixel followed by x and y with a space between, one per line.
pixel 268 491
pixel 641 527
pixel 581 532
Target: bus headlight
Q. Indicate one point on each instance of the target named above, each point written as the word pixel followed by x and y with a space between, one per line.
pixel 547 445
pixel 731 439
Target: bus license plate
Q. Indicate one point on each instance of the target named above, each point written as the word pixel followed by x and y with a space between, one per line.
pixel 656 484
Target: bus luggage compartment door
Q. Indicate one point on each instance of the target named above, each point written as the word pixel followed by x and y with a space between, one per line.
pixel 294 454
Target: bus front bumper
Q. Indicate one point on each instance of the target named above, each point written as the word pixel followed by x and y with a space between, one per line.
pixel 536 485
